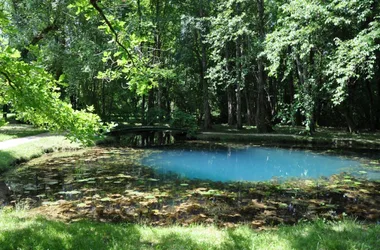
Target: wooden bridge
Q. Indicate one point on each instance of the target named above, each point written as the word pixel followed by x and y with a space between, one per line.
pixel 149 135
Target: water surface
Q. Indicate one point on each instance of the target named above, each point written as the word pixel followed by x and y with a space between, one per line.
pixel 248 164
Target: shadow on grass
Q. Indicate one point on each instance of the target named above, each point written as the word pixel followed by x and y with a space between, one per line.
pixel 41 233
pixel 46 234
pixel 7 160
pixel 239 240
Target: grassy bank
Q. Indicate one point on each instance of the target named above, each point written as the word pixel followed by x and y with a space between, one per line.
pixel 19 231
pixel 27 151
pixel 294 136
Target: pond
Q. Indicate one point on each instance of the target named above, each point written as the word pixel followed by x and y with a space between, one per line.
pixel 112 184
pixel 248 164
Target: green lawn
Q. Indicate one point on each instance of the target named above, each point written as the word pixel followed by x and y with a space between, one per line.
pixel 12 131
pixel 27 151
pixel 321 132
pixel 286 135
pixel 20 231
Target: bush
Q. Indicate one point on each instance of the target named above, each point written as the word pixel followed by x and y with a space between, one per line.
pixel 184 120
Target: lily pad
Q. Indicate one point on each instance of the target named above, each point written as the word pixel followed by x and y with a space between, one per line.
pixel 73 192
pixel 153 180
pixel 82 205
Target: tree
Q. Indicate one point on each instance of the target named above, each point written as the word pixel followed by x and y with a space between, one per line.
pixel 34 93
pixel 317 40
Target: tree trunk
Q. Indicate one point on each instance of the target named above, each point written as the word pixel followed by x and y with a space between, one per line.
pixel 307 95
pixel 378 104
pixel 262 119
pixel 350 122
pixel 103 101
pixel 204 83
pixel 230 94
pixel 261 113
pixel 150 115
pixel 347 113
pixel 239 124
pixel 272 97
pixel 143 114
pixel 5 111
pixel 372 117
pixel 248 104
pixel 231 105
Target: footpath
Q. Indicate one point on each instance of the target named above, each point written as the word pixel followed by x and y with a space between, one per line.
pixel 18 141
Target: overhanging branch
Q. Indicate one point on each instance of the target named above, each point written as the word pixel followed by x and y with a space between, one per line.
pixel 101 13
pixel 39 37
pixel 10 82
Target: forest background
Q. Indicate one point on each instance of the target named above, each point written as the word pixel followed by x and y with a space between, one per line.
pixel 191 63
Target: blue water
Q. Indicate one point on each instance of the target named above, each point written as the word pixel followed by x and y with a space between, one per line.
pixel 248 164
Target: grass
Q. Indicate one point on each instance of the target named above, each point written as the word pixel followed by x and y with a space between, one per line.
pixel 321 132
pixel 27 151
pixel 287 135
pixel 20 231
pixel 13 131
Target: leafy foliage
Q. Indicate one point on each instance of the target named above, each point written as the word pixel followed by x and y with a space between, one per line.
pixel 33 92
pixel 184 120
pixel 127 59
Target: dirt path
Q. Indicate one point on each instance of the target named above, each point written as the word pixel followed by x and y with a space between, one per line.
pixel 15 142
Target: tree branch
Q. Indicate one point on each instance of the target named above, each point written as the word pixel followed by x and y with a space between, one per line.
pixel 10 82
pixel 39 37
pixel 101 13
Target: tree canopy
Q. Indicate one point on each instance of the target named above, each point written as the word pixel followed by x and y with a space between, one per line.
pixel 68 65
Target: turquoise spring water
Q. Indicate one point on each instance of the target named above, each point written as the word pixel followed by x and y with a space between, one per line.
pixel 248 164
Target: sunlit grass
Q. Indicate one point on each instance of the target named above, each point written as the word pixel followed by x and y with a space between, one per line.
pixel 27 151
pixel 321 132
pixel 13 131
pixel 18 230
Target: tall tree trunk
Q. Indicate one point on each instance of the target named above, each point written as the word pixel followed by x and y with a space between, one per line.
pixel 371 103
pixel 262 119
pixel 5 111
pixel 103 101
pixel 248 81
pixel 230 94
pixel 239 124
pixel 347 112
pixel 378 102
pixel 250 97
pixel 150 115
pixel 272 97
pixel 204 83
pixel 231 105
pixel 307 95
pixel 206 104
pixel 248 104
pixel 350 122
pixel 143 112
